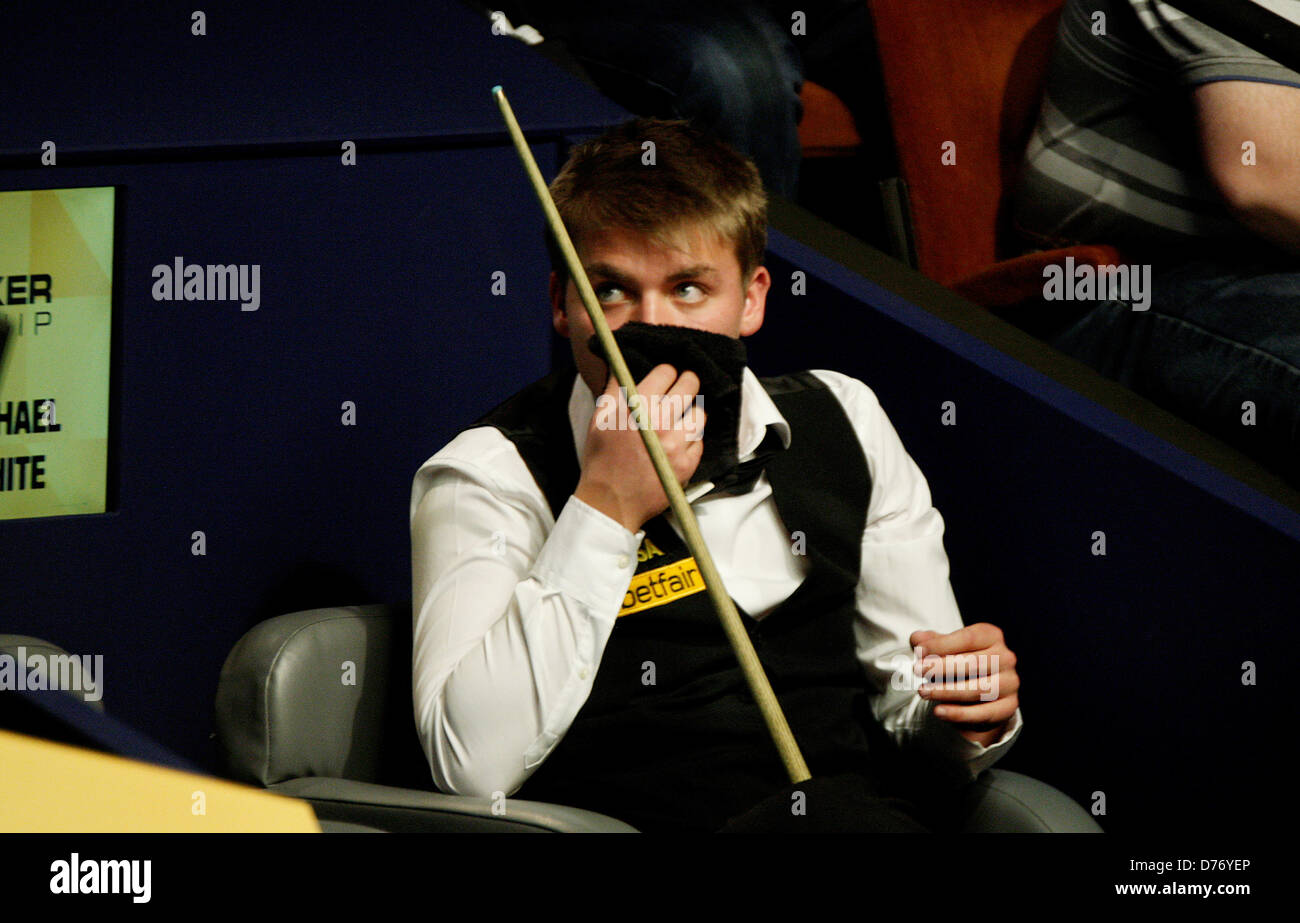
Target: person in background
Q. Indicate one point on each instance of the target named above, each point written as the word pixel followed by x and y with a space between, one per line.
pixel 1180 147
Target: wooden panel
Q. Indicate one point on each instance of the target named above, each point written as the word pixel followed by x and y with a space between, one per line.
pixel 53 788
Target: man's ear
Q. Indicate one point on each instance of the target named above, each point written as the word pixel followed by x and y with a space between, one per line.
pixel 559 317
pixel 751 316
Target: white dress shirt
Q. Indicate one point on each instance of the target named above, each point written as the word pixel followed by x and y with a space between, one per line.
pixel 512 606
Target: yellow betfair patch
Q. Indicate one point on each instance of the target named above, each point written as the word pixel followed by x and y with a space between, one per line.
pixel 662 585
pixel 647 550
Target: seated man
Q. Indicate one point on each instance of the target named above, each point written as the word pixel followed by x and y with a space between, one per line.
pixel 563 649
pixel 732 67
pixel 1181 147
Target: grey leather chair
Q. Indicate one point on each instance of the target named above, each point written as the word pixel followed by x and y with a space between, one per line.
pixel 317 705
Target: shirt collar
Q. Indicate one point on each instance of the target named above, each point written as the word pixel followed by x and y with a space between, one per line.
pixel 757 413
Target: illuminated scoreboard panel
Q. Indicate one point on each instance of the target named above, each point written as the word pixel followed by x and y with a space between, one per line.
pixel 56 285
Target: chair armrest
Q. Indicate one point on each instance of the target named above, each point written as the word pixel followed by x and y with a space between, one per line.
pixel 826 129
pixel 1021 279
pixel 999 802
pixel 407 810
pixel 1008 802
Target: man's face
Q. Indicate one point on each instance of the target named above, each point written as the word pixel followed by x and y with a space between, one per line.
pixel 694 283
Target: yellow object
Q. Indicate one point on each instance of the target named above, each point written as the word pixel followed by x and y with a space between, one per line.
pixel 56 265
pixel 54 788
pixel 662 585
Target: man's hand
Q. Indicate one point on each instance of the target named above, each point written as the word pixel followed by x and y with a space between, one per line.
pixel 617 476
pixel 970 675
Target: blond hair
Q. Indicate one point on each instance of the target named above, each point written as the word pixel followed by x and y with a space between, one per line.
pixel 688 178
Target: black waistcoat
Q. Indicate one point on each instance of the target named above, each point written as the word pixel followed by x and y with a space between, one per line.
pixel 670 737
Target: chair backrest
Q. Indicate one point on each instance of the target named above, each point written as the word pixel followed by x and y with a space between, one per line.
pixel 970 72
pixel 326 692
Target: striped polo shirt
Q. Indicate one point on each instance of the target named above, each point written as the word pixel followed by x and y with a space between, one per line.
pixel 1115 157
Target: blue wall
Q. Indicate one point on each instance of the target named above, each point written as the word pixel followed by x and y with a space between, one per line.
pixel 1131 662
pixel 375 290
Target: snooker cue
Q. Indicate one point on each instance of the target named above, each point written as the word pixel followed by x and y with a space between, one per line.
pixel 722 604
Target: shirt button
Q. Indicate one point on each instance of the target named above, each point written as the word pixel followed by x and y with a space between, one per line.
pixel 582 674
pixel 622 561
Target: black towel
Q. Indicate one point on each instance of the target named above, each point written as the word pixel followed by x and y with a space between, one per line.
pixel 718 361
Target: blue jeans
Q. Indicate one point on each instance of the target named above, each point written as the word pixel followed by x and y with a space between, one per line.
pixel 1219 333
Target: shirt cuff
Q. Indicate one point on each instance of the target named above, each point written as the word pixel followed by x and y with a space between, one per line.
pixel 941 739
pixel 589 557
pixel 979 757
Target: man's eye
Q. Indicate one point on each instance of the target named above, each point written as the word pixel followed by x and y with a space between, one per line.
pixel 609 294
pixel 689 291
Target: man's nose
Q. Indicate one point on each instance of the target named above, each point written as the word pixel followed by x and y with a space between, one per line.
pixel 652 309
